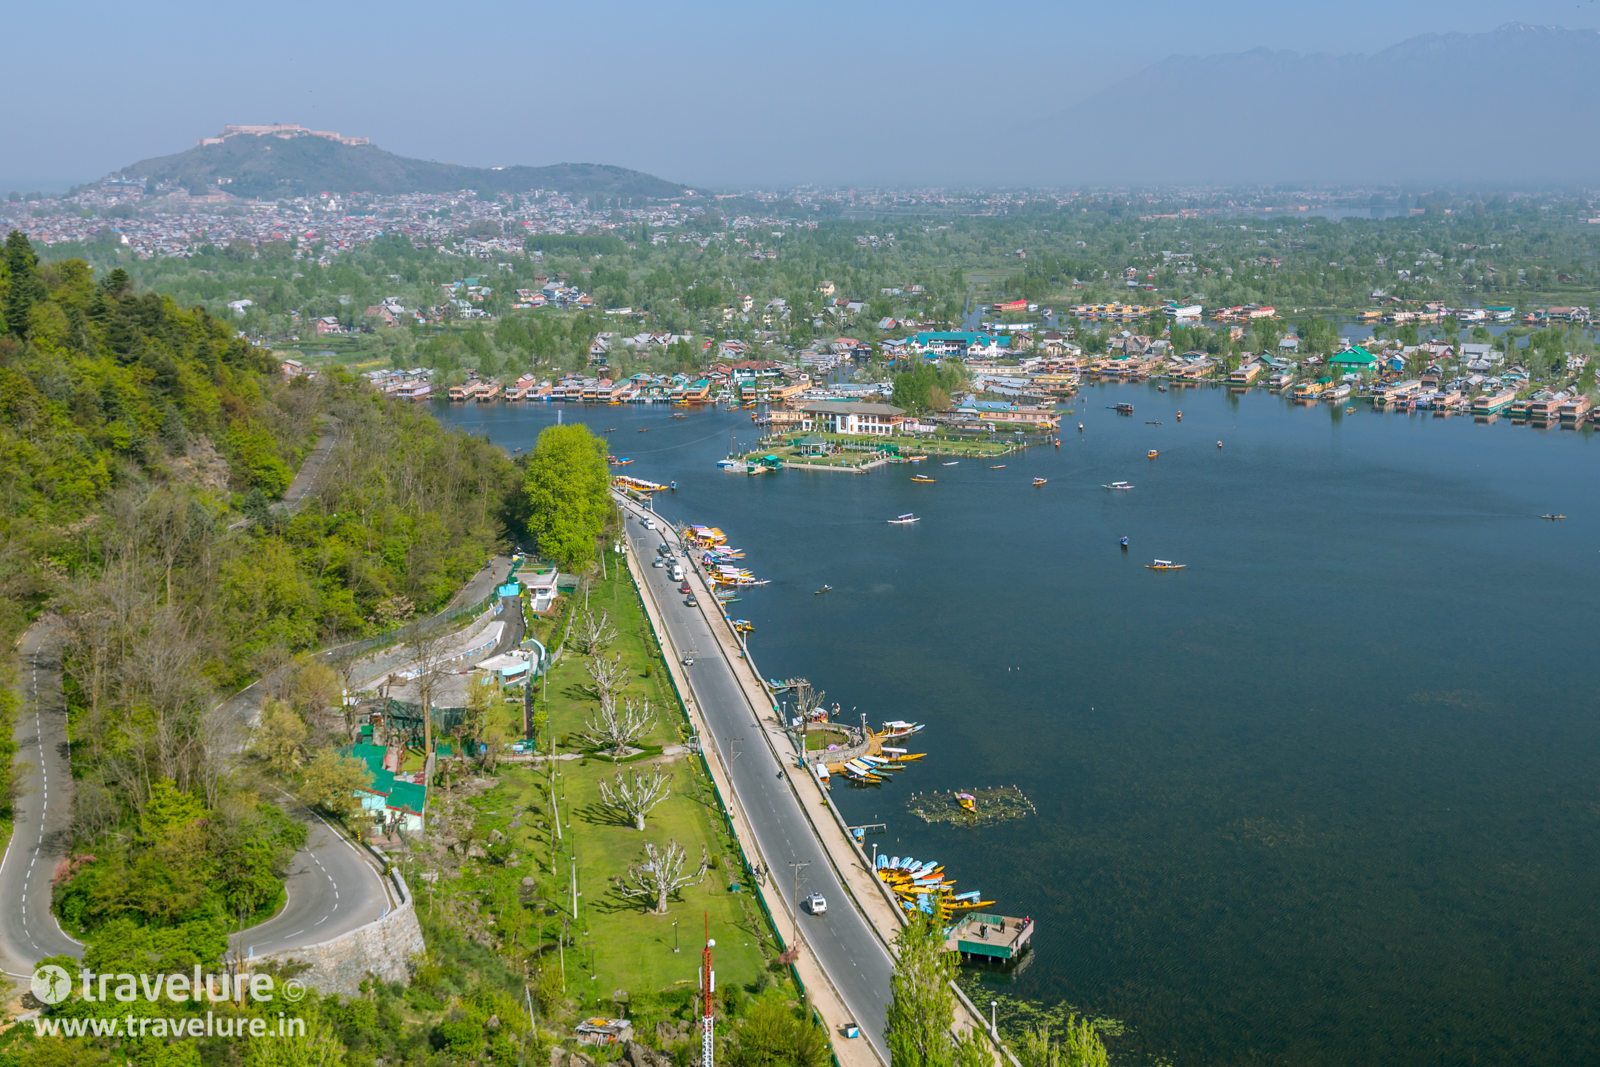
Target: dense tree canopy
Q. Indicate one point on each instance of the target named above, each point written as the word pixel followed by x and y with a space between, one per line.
pixel 568 487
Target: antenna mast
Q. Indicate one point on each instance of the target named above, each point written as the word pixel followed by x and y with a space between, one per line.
pixel 708 986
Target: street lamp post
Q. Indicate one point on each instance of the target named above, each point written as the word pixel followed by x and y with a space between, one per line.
pixel 798 867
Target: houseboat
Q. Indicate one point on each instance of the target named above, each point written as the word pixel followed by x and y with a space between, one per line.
pixel 1244 375
pixel 1493 403
pixel 1547 409
pixel 1307 392
pixel 1575 411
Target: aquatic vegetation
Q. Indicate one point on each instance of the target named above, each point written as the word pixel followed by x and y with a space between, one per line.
pixel 976 807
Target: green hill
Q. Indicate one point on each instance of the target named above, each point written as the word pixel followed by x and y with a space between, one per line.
pixel 254 166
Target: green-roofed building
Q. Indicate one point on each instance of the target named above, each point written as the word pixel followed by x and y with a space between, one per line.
pixel 1353 359
pixel 389 800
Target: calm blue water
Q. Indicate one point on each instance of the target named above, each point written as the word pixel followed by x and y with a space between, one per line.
pixel 1329 796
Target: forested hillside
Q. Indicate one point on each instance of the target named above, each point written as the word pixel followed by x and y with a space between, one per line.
pixel 141 445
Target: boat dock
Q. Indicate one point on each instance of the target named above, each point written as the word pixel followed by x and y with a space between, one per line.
pixel 990 938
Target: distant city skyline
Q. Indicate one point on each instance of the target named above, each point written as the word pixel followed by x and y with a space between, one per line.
pixel 713 95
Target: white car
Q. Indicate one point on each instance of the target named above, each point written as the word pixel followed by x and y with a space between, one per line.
pixel 659 562
pixel 816 904
pixel 649 524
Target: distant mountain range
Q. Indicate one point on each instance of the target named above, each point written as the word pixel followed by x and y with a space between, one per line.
pixel 1511 105
pixel 291 161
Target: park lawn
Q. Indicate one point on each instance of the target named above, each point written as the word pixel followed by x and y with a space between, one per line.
pixel 632 949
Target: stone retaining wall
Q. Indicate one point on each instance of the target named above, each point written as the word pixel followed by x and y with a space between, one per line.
pixel 384 948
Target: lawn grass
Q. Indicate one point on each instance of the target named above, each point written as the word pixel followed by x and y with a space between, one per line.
pixel 632 949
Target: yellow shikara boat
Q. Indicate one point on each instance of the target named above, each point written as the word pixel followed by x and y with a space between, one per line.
pixel 922 478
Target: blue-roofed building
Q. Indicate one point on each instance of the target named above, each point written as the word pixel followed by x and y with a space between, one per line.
pixel 956 343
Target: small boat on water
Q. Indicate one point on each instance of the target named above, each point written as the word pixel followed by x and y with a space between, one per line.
pixel 1180 416
pixel 824 589
pixel 1124 544
pixel 623 462
pixel 673 416
pixel 1122 409
pixel 1152 453
pixel 922 478
pixel 1553 518
pixel 1117 485
pixel 1161 388
pixel 1080 427
pixel 896 728
pixel 1038 482
pixel 1165 565
pixel 1151 422
pixel 904 520
pixel 644 429
pixel 611 429
pixel 997 466
pixel 673 486
pixel 952 463
pixel 1349 411
pixel 970 802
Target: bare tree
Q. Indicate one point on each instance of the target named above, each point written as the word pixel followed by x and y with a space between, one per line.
pixel 637 793
pixel 222 741
pixel 660 875
pixel 591 634
pixel 427 658
pixel 807 700
pixel 609 677
pixel 617 727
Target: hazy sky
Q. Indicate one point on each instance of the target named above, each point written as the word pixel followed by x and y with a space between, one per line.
pixel 709 93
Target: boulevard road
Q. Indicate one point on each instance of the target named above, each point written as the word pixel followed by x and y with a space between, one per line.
pixel 843 942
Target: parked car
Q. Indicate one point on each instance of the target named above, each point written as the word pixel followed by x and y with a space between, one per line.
pixel 816 904
pixel 690 601
pixel 684 588
pixel 659 562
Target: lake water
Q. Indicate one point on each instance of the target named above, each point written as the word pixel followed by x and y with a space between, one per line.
pixel 1329 796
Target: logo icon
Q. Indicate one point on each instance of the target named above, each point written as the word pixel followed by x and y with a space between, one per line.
pixel 51 984
pixel 294 990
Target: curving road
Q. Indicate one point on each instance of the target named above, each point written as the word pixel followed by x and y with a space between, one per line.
pixel 844 943
pixel 333 888
pixel 40 830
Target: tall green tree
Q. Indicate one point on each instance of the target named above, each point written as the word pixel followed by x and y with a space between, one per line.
pixel 568 489
pixel 1078 1046
pixel 23 286
pixel 922 1007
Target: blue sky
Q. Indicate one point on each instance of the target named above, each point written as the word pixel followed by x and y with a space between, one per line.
pixel 717 94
